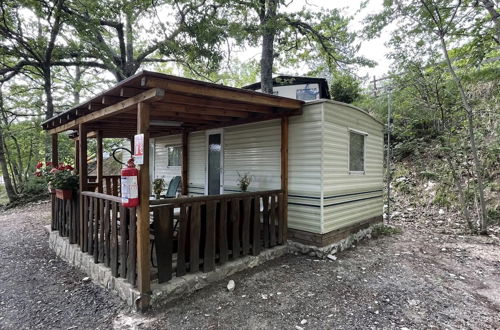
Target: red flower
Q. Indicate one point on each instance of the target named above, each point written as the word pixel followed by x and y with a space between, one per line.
pixel 54 170
pixel 38 173
pixel 48 164
pixel 69 168
pixel 39 165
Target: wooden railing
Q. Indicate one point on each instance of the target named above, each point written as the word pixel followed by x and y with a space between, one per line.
pixel 199 232
pixel 65 217
pixel 111 184
pixel 109 234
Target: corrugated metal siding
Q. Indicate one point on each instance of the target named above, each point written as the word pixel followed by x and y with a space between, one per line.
pixel 196 163
pixel 304 170
pixel 255 149
pixel 350 197
pixel 161 168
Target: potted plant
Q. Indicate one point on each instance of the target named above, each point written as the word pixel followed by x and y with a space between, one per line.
pixel 244 181
pixel 158 187
pixel 64 181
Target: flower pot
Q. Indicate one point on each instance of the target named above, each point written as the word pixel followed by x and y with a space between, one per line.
pixel 64 194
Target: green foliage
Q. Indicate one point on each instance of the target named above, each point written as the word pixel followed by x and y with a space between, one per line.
pixel 443 197
pixel 429 175
pixel 64 179
pixel 345 88
pixel 31 190
pixel 384 230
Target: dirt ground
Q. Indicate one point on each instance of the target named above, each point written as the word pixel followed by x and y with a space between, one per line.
pixel 430 275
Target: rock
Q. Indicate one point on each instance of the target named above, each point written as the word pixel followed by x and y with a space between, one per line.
pixel 231 285
pixel 86 279
pixel 304 321
pixel 298 328
pixel 264 296
pixel 441 211
pixel 331 257
pixel 312 254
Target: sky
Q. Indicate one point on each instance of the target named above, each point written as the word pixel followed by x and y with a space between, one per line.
pixel 373 49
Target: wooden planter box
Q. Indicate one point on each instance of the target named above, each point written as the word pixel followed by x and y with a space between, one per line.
pixel 65 194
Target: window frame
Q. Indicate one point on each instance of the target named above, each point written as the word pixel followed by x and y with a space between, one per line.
pixel 365 135
pixel 168 154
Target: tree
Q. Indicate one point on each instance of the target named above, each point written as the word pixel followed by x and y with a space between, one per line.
pixel 122 36
pixel 437 24
pixel 293 37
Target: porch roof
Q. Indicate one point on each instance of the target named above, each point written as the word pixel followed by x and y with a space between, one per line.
pixel 177 105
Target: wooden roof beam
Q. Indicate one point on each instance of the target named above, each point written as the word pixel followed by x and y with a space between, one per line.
pixel 151 95
pixel 202 110
pixel 213 92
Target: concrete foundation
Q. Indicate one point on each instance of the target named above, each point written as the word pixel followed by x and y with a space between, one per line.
pixel 161 293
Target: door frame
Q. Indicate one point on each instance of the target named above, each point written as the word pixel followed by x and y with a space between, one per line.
pixel 207 134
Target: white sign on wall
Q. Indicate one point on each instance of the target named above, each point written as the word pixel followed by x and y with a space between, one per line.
pixel 139 149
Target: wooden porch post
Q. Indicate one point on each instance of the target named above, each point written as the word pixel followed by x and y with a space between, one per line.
pixel 54 151
pixel 54 158
pixel 77 156
pixel 185 163
pixel 82 141
pixel 143 266
pixel 99 161
pixel 284 173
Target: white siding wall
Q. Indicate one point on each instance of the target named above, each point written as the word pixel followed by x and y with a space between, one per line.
pixel 196 163
pixel 304 170
pixel 341 189
pixel 255 149
pixel 161 168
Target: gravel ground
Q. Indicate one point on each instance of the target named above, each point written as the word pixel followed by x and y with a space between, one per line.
pixel 38 290
pixel 424 277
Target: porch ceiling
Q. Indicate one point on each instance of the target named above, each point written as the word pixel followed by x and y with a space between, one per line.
pixel 177 105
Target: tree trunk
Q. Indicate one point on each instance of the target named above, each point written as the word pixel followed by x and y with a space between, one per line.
pixel 9 188
pixel 495 17
pixel 76 86
pixel 483 219
pixel 49 110
pixel 11 192
pixel 267 20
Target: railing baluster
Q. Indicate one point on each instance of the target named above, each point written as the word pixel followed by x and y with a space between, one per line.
pixel 132 248
pixel 96 230
pixel 265 216
pixel 106 233
pixel 114 240
pixel 281 219
pixel 194 238
pixel 223 252
pixel 164 245
pixel 181 239
pixel 235 221
pixel 256 226
pixel 90 231
pixel 210 234
pixel 123 242
pixel 272 218
pixel 102 230
pixel 245 232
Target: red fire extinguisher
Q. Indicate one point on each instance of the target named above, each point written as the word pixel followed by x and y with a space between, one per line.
pixel 130 187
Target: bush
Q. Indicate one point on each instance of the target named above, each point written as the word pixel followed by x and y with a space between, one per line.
pixel 32 190
pixel 384 230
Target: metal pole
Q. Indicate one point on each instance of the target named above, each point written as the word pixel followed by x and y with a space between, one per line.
pixel 388 165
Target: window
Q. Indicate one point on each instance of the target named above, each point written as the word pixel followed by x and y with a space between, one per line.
pixel 356 152
pixel 174 155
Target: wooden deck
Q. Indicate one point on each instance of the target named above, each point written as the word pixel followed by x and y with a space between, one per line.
pixel 188 234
